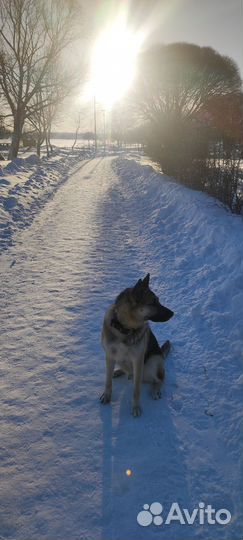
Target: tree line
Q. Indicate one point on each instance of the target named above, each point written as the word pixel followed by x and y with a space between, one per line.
pixel 33 80
pixel 187 108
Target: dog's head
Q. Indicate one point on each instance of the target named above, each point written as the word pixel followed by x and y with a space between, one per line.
pixel 140 303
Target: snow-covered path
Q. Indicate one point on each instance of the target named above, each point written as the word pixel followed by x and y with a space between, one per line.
pixel 64 456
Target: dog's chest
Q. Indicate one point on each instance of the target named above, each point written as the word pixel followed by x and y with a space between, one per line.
pixel 127 356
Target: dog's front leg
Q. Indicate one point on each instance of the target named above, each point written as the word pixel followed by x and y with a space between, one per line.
pixel 106 396
pixel 138 374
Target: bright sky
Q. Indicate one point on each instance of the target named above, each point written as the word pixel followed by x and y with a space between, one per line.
pixel 215 23
pixel 113 60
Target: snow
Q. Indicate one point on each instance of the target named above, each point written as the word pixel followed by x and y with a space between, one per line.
pixel 68 143
pixel 64 456
pixel 26 183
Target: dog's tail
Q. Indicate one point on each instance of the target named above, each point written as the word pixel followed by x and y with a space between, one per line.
pixel 165 348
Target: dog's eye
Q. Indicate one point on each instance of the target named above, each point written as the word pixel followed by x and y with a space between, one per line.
pixel 153 302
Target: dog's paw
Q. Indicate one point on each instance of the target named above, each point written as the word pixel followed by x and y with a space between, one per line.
pixel 136 411
pixel 118 373
pixel 156 391
pixel 156 394
pixel 105 398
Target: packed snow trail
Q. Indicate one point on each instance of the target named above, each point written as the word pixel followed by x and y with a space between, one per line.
pixel 64 456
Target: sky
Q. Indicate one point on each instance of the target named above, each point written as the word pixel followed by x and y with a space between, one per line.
pixel 214 23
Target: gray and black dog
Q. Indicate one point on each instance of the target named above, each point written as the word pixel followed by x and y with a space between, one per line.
pixel 130 343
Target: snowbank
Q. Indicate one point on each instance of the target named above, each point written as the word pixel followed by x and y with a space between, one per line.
pixel 27 183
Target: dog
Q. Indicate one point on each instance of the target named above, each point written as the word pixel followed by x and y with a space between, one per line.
pixel 130 344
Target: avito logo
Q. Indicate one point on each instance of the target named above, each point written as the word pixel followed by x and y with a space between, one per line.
pixel 201 514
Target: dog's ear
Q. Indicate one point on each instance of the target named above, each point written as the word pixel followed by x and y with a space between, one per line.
pixel 138 288
pixel 138 285
pixel 145 281
pixel 141 286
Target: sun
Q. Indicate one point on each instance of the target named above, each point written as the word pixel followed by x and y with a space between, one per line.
pixel 113 63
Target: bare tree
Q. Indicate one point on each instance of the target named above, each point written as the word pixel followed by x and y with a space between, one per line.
pixel 77 130
pixel 177 80
pixel 122 121
pixel 174 87
pixel 33 34
pixel 45 105
pixel 40 118
pixel 190 102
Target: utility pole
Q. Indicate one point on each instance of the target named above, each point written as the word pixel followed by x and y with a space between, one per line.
pixel 95 131
pixel 104 132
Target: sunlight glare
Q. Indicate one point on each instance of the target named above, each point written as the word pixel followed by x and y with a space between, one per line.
pixel 114 62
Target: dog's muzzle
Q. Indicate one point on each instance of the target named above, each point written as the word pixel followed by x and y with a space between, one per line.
pixel 162 314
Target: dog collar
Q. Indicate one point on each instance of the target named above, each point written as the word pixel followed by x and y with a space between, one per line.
pixel 118 326
pixel 132 335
